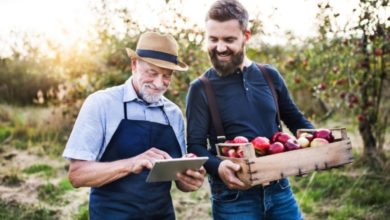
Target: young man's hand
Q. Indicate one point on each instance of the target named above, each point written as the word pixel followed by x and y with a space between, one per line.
pixel 226 171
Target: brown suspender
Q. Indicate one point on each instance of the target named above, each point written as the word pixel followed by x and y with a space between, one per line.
pixel 213 107
pixel 214 111
pixel 273 91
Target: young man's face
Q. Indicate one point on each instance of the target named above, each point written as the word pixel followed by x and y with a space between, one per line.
pixel 150 81
pixel 226 45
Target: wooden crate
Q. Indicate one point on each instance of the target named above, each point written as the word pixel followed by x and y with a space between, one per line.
pixel 262 170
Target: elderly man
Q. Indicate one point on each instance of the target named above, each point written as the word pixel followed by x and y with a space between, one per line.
pixel 121 131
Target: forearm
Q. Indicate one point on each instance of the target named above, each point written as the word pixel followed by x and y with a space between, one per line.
pixel 96 174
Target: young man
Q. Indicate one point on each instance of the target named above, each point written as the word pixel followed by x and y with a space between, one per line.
pixel 247 108
pixel 121 131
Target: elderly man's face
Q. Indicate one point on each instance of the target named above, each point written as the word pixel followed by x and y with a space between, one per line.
pixel 150 81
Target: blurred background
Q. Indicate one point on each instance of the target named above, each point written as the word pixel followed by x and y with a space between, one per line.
pixel 334 56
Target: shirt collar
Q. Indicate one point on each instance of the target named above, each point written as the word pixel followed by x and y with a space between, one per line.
pixel 129 95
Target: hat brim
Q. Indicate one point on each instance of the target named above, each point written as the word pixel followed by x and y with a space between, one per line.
pixel 180 66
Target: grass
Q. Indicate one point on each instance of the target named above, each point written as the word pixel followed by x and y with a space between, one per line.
pixel 344 193
pixel 83 213
pixel 5 132
pixel 42 128
pixel 14 211
pixel 50 193
pixel 40 168
pixel 12 180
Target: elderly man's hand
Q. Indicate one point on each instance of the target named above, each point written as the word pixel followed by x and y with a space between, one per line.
pixel 147 159
pixel 190 180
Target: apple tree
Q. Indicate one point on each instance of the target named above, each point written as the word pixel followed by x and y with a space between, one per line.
pixel 349 70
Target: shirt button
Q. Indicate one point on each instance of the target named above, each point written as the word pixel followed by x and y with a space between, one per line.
pixel 247 89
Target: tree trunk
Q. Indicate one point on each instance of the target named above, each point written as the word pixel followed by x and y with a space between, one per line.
pixel 369 142
pixel 366 129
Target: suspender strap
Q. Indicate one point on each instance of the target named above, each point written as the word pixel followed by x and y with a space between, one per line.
pixel 273 91
pixel 215 116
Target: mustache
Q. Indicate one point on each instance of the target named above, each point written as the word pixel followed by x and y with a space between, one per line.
pixel 151 86
pixel 215 53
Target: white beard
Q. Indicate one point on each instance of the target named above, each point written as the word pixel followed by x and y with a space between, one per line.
pixel 148 97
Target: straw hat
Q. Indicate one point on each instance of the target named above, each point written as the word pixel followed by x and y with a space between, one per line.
pixel 159 50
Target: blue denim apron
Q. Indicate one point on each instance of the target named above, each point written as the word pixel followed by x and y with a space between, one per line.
pixel 131 197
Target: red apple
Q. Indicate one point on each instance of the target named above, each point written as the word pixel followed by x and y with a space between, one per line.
pixel 232 153
pixel 284 137
pixel 318 142
pixel 292 144
pixel 240 139
pixel 261 144
pixel 224 151
pixel 275 148
pixel 275 136
pixel 324 133
pixel 378 52
pixel 303 142
pixel 240 152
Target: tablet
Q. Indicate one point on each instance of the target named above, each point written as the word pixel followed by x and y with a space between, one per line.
pixel 165 170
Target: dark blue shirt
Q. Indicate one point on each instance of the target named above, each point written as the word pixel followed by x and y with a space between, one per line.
pixel 246 106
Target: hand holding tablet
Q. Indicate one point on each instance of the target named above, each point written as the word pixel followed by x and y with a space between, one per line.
pixel 165 170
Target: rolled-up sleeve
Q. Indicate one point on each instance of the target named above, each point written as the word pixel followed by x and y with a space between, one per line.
pixel 87 137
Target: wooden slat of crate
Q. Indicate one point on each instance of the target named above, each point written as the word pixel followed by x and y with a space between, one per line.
pixel 298 162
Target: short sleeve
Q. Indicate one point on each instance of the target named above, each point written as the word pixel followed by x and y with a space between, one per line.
pixel 87 137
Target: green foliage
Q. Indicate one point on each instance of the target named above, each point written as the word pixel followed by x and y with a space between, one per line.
pixel 23 78
pixel 14 211
pixel 40 168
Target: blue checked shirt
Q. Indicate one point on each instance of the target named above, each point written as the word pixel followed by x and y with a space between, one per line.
pixel 102 112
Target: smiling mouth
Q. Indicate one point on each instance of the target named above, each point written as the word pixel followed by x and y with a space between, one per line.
pixel 224 56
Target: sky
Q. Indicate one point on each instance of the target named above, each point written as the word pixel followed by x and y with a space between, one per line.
pixel 67 21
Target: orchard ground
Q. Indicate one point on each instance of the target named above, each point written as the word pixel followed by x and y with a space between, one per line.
pixel 34 184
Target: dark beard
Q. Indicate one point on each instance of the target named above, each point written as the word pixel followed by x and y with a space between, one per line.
pixel 226 68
